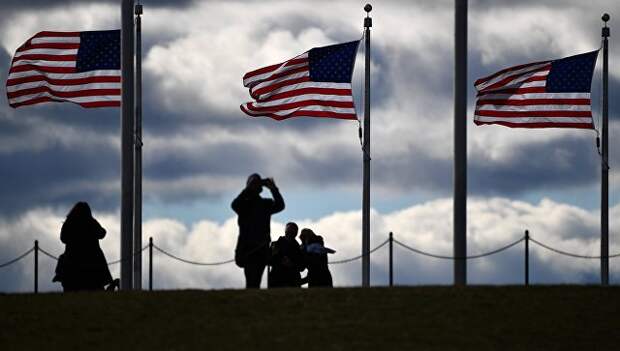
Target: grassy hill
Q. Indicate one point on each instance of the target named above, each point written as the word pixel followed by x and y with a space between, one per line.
pixel 417 318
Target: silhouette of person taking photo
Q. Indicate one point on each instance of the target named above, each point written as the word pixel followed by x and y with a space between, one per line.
pixel 315 256
pixel 254 219
pixel 286 259
pixel 83 265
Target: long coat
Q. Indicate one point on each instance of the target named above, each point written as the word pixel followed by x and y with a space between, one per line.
pixel 254 220
pixel 286 274
pixel 83 265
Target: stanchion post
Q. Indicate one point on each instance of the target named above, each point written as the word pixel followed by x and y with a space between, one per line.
pixel 527 257
pixel 391 259
pixel 36 266
pixel 151 264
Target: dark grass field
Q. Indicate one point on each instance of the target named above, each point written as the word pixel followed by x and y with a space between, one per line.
pixel 417 318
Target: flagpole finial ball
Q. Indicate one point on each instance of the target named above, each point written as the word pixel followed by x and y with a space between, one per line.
pixel 368 8
pixel 605 17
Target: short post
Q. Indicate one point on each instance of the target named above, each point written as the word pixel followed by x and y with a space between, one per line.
pixel 527 257
pixel 151 264
pixel 391 260
pixel 36 266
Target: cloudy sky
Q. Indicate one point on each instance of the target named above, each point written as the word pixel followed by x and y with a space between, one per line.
pixel 199 147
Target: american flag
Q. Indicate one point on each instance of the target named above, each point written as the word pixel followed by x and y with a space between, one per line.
pixel 78 67
pixel 316 83
pixel 547 94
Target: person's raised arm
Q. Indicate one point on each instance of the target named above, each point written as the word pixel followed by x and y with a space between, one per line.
pixel 278 201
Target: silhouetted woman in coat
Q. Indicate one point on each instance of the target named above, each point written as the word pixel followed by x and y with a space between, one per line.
pixel 83 265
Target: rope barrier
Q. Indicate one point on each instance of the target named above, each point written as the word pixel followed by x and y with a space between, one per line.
pixel 506 247
pixel 48 254
pixel 362 255
pixel 8 263
pixel 193 262
pixel 565 253
pixel 410 248
pixel 109 263
pixel 127 258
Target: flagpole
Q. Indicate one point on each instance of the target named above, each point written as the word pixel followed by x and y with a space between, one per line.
pixel 127 142
pixel 137 224
pixel 604 163
pixel 366 149
pixel 460 142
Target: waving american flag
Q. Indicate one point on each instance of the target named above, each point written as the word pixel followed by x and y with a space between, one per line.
pixel 78 67
pixel 316 83
pixel 547 94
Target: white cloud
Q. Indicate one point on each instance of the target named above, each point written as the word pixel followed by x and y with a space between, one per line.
pixel 493 222
pixel 22 25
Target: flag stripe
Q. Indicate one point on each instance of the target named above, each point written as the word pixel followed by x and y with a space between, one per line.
pixel 296 72
pixel 303 58
pixel 67 94
pixel 45 69
pixel 45 40
pixel 511 79
pixel 77 99
pixel 263 93
pixel 512 114
pixel 298 104
pixel 515 91
pixel 540 107
pixel 303 113
pixel 303 97
pixel 45 57
pixel 309 90
pixel 47 33
pixel 554 124
pixel 76 81
pixel 74 87
pixel 508 71
pixel 47 46
pixel 528 102
pixel 248 80
pixel 70 75
pixel 43 63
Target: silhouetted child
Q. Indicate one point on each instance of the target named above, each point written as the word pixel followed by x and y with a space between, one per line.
pixel 315 255
pixel 286 260
pixel 83 265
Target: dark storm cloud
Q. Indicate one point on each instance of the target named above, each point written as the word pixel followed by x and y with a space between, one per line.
pixel 216 161
pixel 38 4
pixel 57 176
pixel 562 163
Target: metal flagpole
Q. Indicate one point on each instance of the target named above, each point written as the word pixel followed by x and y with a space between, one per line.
pixel 460 142
pixel 366 147
pixel 604 164
pixel 127 136
pixel 137 224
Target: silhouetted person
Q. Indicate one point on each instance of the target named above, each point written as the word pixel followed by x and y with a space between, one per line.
pixel 254 218
pixel 315 256
pixel 83 265
pixel 286 259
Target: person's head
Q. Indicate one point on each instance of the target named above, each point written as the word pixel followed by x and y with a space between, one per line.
pixel 80 210
pixel 254 183
pixel 290 231
pixel 306 235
